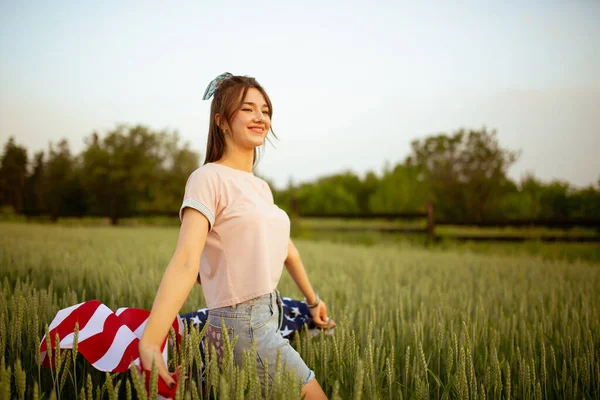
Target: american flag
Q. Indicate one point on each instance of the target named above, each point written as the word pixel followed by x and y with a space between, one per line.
pixel 296 314
pixel 109 340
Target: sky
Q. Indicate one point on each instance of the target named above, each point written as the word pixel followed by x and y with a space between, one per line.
pixel 352 82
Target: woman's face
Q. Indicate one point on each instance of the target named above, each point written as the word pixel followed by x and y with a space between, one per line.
pixel 251 123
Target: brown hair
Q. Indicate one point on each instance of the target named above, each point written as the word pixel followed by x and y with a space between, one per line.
pixel 224 103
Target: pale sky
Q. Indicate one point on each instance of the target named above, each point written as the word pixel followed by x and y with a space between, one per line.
pixel 352 82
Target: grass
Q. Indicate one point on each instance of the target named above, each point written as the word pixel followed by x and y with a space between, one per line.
pixel 413 322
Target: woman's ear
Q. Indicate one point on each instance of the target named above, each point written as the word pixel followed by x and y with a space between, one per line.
pixel 223 127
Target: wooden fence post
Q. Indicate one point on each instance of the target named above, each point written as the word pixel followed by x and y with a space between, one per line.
pixel 430 223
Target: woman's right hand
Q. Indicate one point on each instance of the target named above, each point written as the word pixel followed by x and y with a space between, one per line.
pixel 147 355
pixel 320 318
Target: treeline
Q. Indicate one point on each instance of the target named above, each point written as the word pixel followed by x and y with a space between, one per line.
pixel 133 169
pixel 464 174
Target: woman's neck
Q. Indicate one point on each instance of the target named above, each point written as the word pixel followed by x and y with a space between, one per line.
pixel 242 160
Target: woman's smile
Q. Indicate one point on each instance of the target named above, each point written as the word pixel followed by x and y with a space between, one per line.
pixel 257 130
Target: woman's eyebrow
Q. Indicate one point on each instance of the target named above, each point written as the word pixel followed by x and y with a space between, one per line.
pixel 248 102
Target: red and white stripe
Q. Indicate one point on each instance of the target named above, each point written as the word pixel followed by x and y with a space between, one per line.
pixel 108 340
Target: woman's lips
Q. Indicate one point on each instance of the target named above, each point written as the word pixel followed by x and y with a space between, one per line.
pixel 257 130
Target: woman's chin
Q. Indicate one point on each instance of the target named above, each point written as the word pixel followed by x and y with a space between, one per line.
pixel 253 142
pixel 258 142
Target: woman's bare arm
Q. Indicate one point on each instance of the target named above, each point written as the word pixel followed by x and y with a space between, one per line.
pixel 175 286
pixel 296 269
pixel 294 265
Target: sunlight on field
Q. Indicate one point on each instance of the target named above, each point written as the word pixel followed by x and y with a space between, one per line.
pixel 412 323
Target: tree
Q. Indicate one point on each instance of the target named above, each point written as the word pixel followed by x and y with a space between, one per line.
pixel 13 174
pixel 64 194
pixel 554 199
pixel 351 186
pixel 467 171
pixel 400 190
pixel 523 200
pixel 134 169
pixel 337 193
pixel 585 203
pixel 168 183
pixel 533 198
pixel 325 197
pixel 36 185
pixel 284 198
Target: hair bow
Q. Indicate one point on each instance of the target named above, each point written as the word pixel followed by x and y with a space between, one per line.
pixel 214 84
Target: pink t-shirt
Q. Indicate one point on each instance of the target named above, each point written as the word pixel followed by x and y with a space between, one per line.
pixel 248 237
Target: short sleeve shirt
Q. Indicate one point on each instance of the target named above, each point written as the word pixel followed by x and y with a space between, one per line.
pixel 248 236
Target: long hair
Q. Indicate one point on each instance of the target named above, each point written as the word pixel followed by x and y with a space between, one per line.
pixel 226 103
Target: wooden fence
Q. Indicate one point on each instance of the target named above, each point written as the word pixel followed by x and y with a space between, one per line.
pixel 429 229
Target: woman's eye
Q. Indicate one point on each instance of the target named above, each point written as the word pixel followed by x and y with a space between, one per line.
pixel 249 109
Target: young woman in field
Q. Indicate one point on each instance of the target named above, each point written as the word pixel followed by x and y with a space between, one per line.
pixel 234 240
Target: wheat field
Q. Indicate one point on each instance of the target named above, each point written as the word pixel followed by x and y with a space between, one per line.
pixel 412 323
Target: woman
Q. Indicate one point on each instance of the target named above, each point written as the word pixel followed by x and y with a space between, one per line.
pixel 232 229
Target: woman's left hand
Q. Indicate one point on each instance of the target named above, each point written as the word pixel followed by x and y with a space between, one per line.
pixel 320 318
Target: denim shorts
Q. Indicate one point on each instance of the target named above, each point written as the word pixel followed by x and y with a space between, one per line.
pixel 257 321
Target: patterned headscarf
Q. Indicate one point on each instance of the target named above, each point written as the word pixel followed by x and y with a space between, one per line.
pixel 214 84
